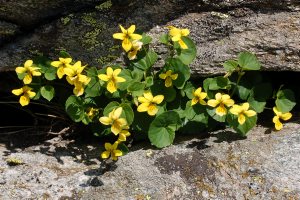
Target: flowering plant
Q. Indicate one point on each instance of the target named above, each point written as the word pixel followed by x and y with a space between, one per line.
pixel 124 101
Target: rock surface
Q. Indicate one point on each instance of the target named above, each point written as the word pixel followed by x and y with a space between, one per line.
pixel 220 29
pixel 263 166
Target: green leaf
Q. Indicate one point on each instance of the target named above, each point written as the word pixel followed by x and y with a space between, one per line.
pixel 149 81
pixel 126 74
pixel 164 38
pixel 94 88
pixel 64 54
pixel 285 101
pixel 241 129
pixel 189 90
pixel 141 122
pixel 136 88
pixel 230 65
pixel 187 55
pixel 146 39
pixel 127 113
pixel 50 73
pixel 122 147
pixel 248 61
pixel 74 108
pixel 179 68
pixel 192 127
pixel 217 83
pixel 168 92
pixel 259 96
pixel 147 61
pixel 112 105
pixel 47 92
pixel 196 113
pixel 162 129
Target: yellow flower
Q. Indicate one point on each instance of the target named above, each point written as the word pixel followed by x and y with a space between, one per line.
pixel 112 78
pixel 176 35
pixel 113 119
pixel 29 70
pixel 61 64
pixel 111 150
pixel 123 134
pixel 126 36
pixel 168 77
pixel 242 111
pixel 148 103
pixel 26 93
pixel 198 97
pixel 91 112
pixel 280 115
pixel 222 101
pixel 74 77
pixel 136 46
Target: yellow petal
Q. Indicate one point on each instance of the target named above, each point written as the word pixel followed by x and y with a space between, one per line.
pixel 78 90
pixel 69 71
pixel 203 95
pixel 143 107
pixel 250 113
pixel 152 110
pixel 174 31
pixel 168 82
pixel 213 102
pixel 131 29
pixel 109 72
pixel 202 102
pixel 218 96
pixel 108 146
pixel 116 128
pixel 143 100
pixel 117 113
pixel 36 73
pixel 241 119
pixel 119 36
pixel 126 44
pixel 182 44
pixel 221 110
pixel 27 79
pixel 228 102
pixel 158 99
pixel 123 29
pixel 65 60
pixel 56 63
pixel 286 116
pixel 116 72
pixel 24 100
pixel 103 77
pixel 236 109
pixel 148 95
pixel 70 81
pixel 245 106
pixel 198 92
pixel 60 72
pixel 135 36
pixel 111 87
pixel 278 124
pixel 28 63
pixel 276 111
pixel 105 120
pixel 105 154
pixel 163 76
pixel 194 101
pixel 17 92
pixel 122 137
pixel 174 76
pixel 31 94
pixel 117 153
pixel 21 70
pixel 132 55
pixel 185 32
pixel 119 79
pixel 176 38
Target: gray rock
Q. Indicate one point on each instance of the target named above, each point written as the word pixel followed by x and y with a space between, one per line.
pixel 223 166
pixel 220 29
pixel 7 31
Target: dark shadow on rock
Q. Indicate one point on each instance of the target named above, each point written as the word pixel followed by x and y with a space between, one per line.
pixel 227 136
pixel 198 145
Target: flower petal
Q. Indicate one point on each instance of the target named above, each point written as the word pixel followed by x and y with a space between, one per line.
pixel 236 109
pixel 17 92
pixel 105 154
pixel 119 79
pixel 135 36
pixel 105 120
pixel 103 77
pixel 245 106
pixel 117 113
pixel 28 63
pixel 162 76
pixel 108 146
pixel 116 72
pixel 117 153
pixel 24 100
pixel 56 63
pixel 152 110
pixel 143 107
pixel 185 32
pixel 174 76
pixel 126 44
pixel 278 124
pixel 182 44
pixel 213 102
pixel 241 119
pixel 286 116
pixel 111 86
pixel 27 79
pixel 194 101
pixel 158 99
pixel 276 111
pixel 31 94
pixel 228 102
pixel 202 102
pixel 168 82
pixel 131 29
pixel 21 70
pixel 250 113
pixel 119 36
pixel 148 95
pixel 221 110
pixel 124 31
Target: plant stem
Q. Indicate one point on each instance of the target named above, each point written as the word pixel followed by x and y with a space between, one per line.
pixel 241 73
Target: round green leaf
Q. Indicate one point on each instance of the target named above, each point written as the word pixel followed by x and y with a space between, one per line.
pixel 241 129
pixel 248 61
pixel 179 68
pixel 212 112
pixel 112 105
pixel 47 92
pixel 162 129
pixel 285 101
pixel 74 108
pixel 187 55
pixel 127 113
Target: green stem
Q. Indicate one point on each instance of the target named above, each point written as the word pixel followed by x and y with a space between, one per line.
pixel 237 82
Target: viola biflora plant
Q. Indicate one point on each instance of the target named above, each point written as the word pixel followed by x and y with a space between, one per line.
pixel 135 100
